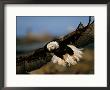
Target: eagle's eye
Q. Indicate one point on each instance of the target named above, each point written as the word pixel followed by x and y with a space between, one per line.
pixel 52 47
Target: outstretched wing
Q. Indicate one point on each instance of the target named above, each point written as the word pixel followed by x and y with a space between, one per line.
pixel 37 59
pixel 73 36
pixel 82 36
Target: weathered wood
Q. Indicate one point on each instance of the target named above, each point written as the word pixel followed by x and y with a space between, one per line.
pixel 82 36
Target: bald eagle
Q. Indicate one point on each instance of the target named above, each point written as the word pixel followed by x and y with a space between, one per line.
pixel 63 54
pixel 62 49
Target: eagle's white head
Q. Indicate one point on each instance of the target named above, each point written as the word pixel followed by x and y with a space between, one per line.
pixel 52 45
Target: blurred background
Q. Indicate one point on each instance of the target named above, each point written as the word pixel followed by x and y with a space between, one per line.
pixel 33 32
